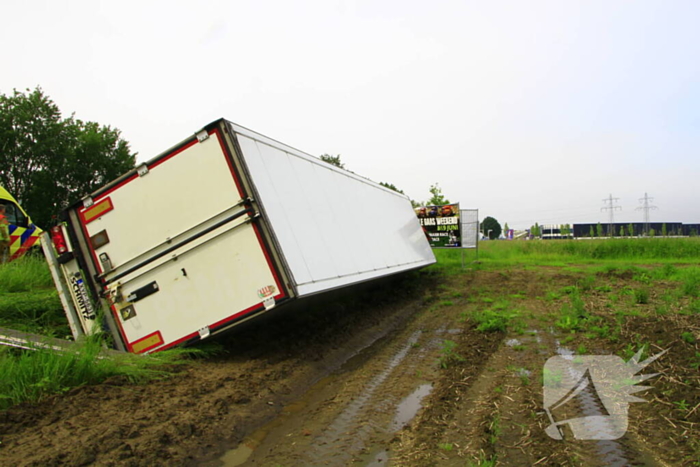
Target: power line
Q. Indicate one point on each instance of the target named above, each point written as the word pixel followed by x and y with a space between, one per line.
pixel 610 206
pixel 646 207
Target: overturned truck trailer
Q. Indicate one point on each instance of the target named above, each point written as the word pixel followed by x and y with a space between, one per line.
pixel 219 229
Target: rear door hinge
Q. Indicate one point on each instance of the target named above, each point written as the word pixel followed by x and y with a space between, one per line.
pixel 202 135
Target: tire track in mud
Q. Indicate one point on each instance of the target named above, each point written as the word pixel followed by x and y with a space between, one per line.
pixel 352 416
pixel 344 437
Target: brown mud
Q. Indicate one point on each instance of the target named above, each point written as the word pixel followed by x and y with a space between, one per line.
pixel 395 376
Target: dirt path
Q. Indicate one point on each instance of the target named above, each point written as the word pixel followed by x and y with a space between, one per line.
pixel 397 376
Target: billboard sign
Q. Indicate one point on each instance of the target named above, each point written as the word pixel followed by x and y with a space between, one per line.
pixel 441 225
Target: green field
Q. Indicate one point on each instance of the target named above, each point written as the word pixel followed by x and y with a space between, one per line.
pixel 607 252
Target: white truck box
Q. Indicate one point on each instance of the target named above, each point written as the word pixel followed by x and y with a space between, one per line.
pixel 220 228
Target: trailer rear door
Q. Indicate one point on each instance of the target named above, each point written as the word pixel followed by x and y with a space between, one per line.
pixel 178 248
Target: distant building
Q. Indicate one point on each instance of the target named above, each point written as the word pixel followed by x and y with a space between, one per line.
pixel 691 230
pixel 555 231
pixel 635 229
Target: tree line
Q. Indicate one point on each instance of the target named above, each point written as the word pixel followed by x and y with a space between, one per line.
pixel 48 161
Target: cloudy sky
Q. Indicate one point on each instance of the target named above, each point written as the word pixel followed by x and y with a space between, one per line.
pixel 531 111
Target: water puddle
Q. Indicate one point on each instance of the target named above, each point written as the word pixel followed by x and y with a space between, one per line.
pixel 246 448
pixel 536 333
pixel 380 459
pixel 409 407
pixel 523 372
pixel 237 456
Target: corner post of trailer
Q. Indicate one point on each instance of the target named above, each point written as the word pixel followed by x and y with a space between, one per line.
pixel 61 287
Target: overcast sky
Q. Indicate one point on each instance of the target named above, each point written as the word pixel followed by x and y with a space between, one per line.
pixel 531 111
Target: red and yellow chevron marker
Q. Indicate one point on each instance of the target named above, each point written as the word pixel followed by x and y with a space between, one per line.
pixel 22 239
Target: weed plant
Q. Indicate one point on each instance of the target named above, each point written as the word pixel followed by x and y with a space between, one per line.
pixel 573 316
pixel 641 296
pixel 497 318
pixel 448 356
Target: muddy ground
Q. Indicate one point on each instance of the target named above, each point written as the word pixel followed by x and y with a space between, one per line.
pixel 399 375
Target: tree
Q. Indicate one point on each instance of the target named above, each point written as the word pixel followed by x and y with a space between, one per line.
pixel 599 230
pixel 565 230
pixel 491 228
pixel 505 227
pixel 48 161
pixel 630 229
pixel 391 186
pixel 333 160
pixel 535 230
pixel 591 233
pixel 437 199
pixel 622 231
pixel 663 230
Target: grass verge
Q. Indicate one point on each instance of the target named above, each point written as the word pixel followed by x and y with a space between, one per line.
pixel 31 375
pixel 28 300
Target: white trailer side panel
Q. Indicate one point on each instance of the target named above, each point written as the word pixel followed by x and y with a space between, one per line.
pixel 334 228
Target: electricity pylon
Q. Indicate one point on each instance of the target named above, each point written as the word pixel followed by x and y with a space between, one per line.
pixel 646 207
pixel 610 206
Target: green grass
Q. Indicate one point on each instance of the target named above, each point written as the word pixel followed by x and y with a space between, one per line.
pixel 494 428
pixel 641 296
pixel 688 337
pixel 497 318
pixel 28 300
pixel 484 461
pixel 31 375
pixel 573 316
pixel 448 356
pixel 565 252
pixel 26 274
